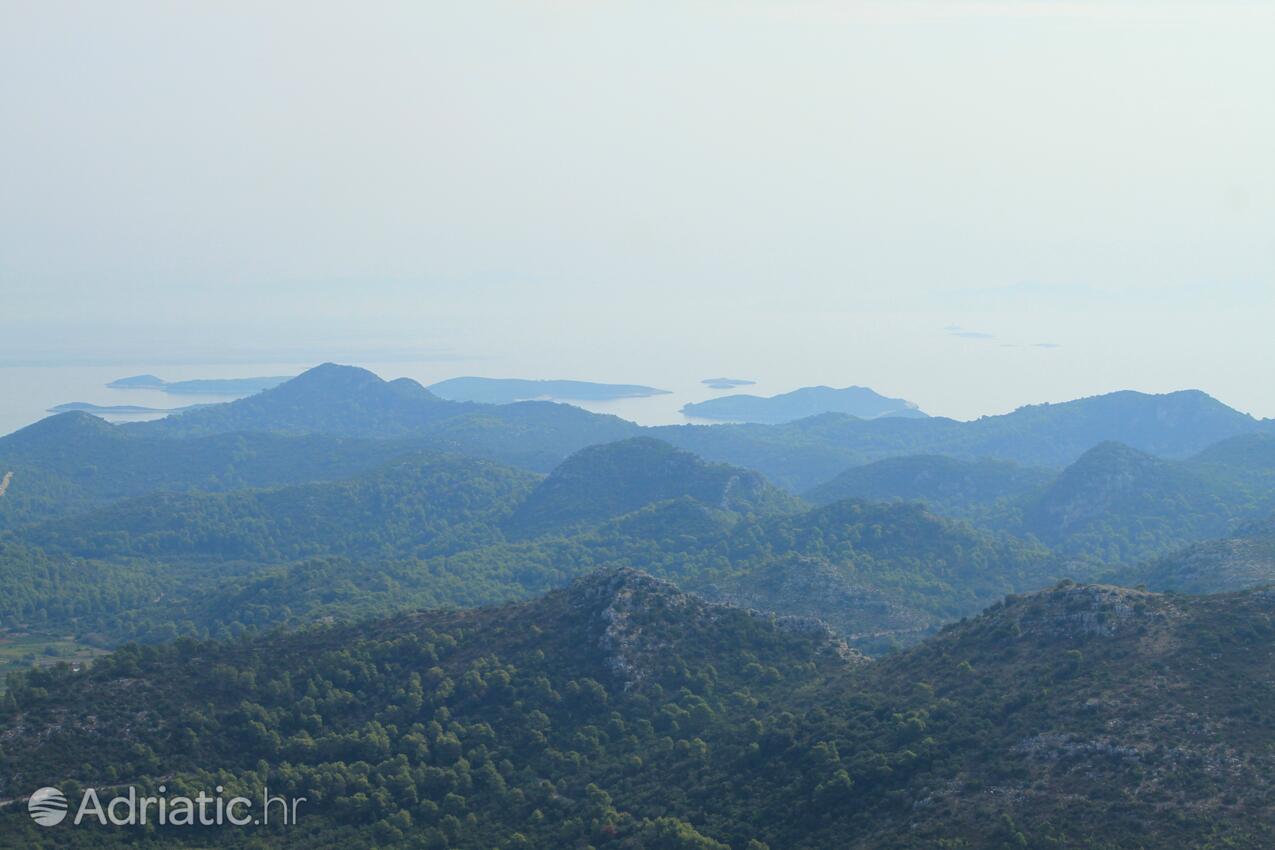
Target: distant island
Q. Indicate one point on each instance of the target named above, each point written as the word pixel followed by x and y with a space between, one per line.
pixel 199 386
pixel 118 409
pixel 727 383
pixel 799 404
pixel 508 390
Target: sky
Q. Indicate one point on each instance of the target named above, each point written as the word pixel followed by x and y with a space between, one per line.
pixel 972 205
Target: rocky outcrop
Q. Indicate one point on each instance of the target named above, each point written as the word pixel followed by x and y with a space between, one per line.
pixel 1079 611
pixel 617 601
pixel 1243 560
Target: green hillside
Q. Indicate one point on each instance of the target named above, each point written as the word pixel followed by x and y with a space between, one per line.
pixel 970 489
pixel 433 531
pixel 623 713
pixel 418 505
pixel 75 462
pixel 803 454
pixel 350 402
pixel 1118 504
pixel 1114 504
pixel 1243 559
pixel 606 481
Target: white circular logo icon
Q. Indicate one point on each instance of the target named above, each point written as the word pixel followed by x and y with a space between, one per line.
pixel 47 806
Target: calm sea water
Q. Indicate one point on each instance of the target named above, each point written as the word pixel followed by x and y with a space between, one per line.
pixel 27 392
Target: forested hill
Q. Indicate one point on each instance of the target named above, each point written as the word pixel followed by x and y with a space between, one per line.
pixel 1244 558
pixel 328 399
pixel 803 454
pixel 116 533
pixel 417 506
pixel 431 530
pixel 623 713
pixel 1115 504
pixel 606 481
pixel 1248 459
pixel 74 462
pixel 948 485
pixel 351 402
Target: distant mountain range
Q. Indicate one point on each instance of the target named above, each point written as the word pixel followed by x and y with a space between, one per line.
pixel 802 454
pixel 859 402
pixel 674 648
pixel 509 390
pixel 349 402
pixel 122 496
pixel 331 433
pixel 199 386
pixel 1114 504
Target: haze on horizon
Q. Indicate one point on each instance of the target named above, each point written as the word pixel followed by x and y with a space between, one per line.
pixel 972 205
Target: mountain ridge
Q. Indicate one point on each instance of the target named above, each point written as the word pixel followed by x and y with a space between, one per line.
pixel 798 455
pixel 632 715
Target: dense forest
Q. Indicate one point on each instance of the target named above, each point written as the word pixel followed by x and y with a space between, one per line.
pixel 770 635
pixel 622 712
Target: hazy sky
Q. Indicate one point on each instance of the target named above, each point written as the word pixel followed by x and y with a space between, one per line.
pixel 970 204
